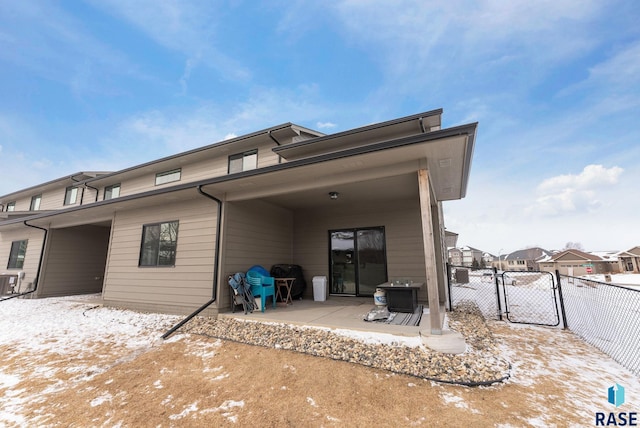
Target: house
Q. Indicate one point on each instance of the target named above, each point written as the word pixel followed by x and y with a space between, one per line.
pixel 524 260
pixel 471 256
pixel 359 207
pixel 455 256
pixel 488 259
pixel 629 260
pixel 450 239
pixel 576 263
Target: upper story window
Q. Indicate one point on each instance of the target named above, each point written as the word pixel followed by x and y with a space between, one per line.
pixel 71 195
pixel 159 242
pixel 35 203
pixel 16 256
pixel 111 192
pixel 243 161
pixel 11 206
pixel 168 176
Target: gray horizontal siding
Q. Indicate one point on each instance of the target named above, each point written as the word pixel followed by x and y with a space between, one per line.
pixel 256 233
pixel 403 234
pixel 180 288
pixel 75 261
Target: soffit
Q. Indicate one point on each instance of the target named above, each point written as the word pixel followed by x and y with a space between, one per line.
pixel 445 159
pixel 220 149
pixel 387 169
pixel 58 183
pixel 402 127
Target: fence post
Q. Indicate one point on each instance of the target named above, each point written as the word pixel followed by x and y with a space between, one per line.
pixel 449 285
pixel 495 279
pixel 562 310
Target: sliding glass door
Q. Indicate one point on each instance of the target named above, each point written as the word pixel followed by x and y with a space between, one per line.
pixel 358 261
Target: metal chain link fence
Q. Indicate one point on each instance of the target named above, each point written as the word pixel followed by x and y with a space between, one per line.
pixel 606 316
pixel 475 285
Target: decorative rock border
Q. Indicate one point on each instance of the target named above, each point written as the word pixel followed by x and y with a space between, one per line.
pixel 480 364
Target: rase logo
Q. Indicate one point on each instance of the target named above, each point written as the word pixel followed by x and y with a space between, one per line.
pixel 615 396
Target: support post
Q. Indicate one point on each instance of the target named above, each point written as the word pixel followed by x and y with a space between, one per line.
pixel 426 216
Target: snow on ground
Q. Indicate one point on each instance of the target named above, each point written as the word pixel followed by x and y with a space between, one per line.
pixel 566 359
pixel 630 280
pixel 75 326
pixel 57 328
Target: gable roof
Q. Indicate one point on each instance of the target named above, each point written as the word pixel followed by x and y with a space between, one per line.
pixel 573 254
pixel 633 252
pixel 534 253
pixel 72 179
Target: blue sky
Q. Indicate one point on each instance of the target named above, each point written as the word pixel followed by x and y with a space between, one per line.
pixel 554 85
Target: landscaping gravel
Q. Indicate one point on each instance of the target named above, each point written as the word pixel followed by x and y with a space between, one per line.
pixel 480 364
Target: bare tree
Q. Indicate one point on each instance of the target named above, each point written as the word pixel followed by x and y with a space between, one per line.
pixel 573 246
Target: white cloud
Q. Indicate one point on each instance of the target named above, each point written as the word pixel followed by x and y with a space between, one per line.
pixel 623 68
pixel 185 27
pixel 323 125
pixel 591 176
pixel 55 45
pixel 574 193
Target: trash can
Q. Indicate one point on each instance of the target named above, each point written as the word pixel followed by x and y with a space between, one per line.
pixel 319 288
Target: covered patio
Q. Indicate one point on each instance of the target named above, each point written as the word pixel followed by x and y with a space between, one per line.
pixel 348 313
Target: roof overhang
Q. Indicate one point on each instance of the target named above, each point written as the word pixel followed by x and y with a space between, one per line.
pixel 73 179
pixel 445 153
pixel 274 135
pixel 403 127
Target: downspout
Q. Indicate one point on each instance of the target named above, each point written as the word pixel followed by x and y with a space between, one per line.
pixel 277 144
pixel 216 263
pixel 82 193
pixel 35 281
pixel 90 187
pixel 424 131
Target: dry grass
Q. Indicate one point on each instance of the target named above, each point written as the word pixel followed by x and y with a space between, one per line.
pixel 198 381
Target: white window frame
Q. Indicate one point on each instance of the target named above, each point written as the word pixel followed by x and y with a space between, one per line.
pixel 35 202
pixel 247 161
pixel 168 176
pixel 112 194
pixel 71 195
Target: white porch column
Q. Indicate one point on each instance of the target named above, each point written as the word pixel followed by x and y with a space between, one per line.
pixel 429 251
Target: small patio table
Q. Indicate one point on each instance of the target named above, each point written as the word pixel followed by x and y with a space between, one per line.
pixel 286 284
pixel 400 297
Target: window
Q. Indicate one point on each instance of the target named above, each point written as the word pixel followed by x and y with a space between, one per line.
pixel 111 192
pixel 520 262
pixel 71 195
pixel 158 246
pixel 11 206
pixel 168 176
pixel 35 203
pixel 16 256
pixel 243 161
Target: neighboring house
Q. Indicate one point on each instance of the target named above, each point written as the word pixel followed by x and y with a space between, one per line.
pixel 488 259
pixel 525 260
pixel 359 207
pixel 469 254
pixel 576 263
pixel 450 239
pixel 629 260
pixel 455 256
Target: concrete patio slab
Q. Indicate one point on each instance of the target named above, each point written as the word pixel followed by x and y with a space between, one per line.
pixel 349 313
